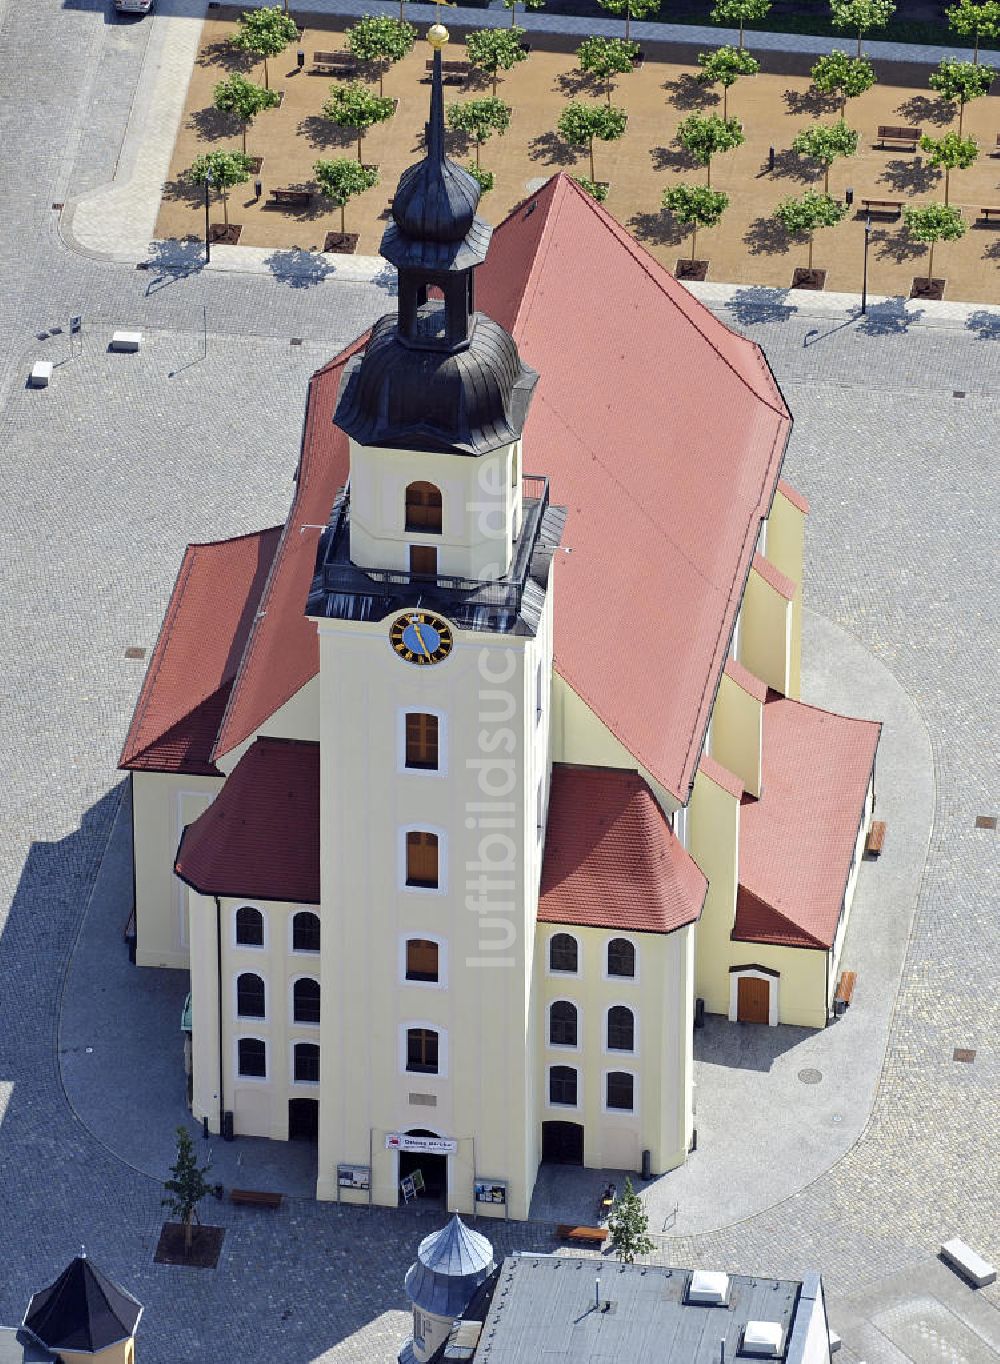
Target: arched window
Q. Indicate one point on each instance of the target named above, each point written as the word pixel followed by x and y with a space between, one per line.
pixel 422 860
pixel 305 1000
pixel 562 1085
pixel 421 959
pixel 422 1050
pixel 422 741
pixel 563 953
pixel 423 508
pixel 306 1063
pixel 252 1057
pixel 305 932
pixel 249 927
pixel 620 1089
pixel 562 1024
pixel 250 995
pixel 621 1029
pixel 621 957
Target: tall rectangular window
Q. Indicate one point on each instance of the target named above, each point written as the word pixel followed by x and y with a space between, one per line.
pixel 422 741
pixel 422 860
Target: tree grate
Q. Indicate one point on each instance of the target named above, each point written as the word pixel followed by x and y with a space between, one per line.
pixel 986 821
pixel 133 651
pixel 966 1054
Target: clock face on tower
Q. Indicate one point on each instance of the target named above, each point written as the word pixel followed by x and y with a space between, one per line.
pixel 421 637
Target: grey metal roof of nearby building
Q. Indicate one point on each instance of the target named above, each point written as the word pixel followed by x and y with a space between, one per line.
pixel 450 1266
pixel 18 1346
pixel 83 1310
pixel 545 1307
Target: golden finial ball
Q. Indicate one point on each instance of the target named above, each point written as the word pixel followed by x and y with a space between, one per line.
pixel 437 35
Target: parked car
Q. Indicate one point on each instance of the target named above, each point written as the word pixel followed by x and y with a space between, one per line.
pixel 133 6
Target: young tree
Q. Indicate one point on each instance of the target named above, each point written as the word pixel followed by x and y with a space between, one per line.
pixel 724 67
pixel 948 153
pixel 632 9
pixel 628 1227
pixel 960 82
pixel 595 188
pixel 977 21
pixel 807 213
pixel 703 137
pixel 494 50
pixel 695 206
pixel 528 4
pixel 479 119
pixel 847 77
pixel 740 12
pixel 352 106
pixel 381 42
pixel 265 33
pixel 339 181
pixel 825 142
pixel 607 57
pixel 484 179
pixel 187 1185
pixel 933 223
pixel 223 170
pixel 580 124
pixel 861 15
pixel 244 100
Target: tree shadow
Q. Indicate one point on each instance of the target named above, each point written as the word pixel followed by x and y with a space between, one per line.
pixel 320 133
pixel 577 82
pixel 924 109
pixel 910 177
pixel 297 268
pixel 212 125
pixel 767 237
pixel 222 53
pixel 891 317
pixel 478 80
pixel 674 159
pixel 789 165
pixel 758 304
pixel 550 148
pixel 985 324
pixel 687 92
pixel 181 190
pixel 660 228
pixel 170 260
pixel 812 102
pixel 899 247
pixel 992 252
pixel 458 144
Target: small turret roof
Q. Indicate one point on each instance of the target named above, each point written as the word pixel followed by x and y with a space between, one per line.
pixel 82 1311
pixel 450 1266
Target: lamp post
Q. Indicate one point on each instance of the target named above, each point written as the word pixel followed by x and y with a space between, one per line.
pixel 208 235
pixel 864 277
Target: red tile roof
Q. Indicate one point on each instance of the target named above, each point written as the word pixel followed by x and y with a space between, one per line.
pixel 774 577
pixel 260 836
pixel 663 433
pixel 201 642
pixel 611 858
pixel 721 776
pixel 794 496
pixel 797 840
pixel 745 680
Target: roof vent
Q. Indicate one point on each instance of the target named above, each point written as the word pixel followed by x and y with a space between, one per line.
pixel 763 1339
pixel 708 1288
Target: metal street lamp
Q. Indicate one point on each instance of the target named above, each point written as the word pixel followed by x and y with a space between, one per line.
pixel 864 278
pixel 208 236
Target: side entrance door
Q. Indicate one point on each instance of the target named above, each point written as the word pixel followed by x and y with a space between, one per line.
pixel 753 1000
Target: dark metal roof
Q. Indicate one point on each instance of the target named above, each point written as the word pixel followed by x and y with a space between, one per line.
pixel 469 401
pixel 450 1266
pixel 83 1310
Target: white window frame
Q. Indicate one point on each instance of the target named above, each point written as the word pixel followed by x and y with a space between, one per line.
pixel 254 970
pixel 442 946
pixel 564 975
pixel 442 886
pixel 623 980
pixel 680 825
pixel 242 1079
pixel 401 768
pixel 312 954
pixel 246 946
pixel 563 1046
pixel 302 1084
pixel 293 1022
pixel 632 1112
pixel 773 978
pixel 563 1108
pixel 442 1035
pixel 539 693
pixel 614 1051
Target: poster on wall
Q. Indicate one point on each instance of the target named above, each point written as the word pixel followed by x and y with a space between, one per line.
pixel 354 1177
pixel 491 1191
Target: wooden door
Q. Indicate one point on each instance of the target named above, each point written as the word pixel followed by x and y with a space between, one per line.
pixel 753 1000
pixel 423 561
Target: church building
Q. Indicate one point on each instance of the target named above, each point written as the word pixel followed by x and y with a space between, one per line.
pixel 454 793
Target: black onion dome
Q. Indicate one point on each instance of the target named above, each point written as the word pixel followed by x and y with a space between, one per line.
pixel 469 401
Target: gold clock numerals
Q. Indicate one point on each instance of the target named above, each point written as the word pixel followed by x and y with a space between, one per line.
pixel 421 637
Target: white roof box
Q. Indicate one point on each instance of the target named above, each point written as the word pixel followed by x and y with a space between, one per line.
pixel 763 1339
pixel 708 1288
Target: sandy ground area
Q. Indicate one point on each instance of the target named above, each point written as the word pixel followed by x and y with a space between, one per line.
pixel 747 247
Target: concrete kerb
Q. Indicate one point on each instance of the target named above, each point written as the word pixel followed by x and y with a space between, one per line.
pixel 903 312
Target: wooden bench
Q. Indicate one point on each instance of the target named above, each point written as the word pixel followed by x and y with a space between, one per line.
pixel 295 197
pixel 876 837
pixel 592 1235
pixel 845 991
pixel 909 136
pixel 989 215
pixel 452 73
pixel 335 63
pixel 996 152
pixel 883 207
pixel 256 1198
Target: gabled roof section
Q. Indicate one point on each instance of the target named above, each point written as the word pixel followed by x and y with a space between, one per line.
pixel 797 840
pixel 83 1310
pixel 611 858
pixel 191 672
pixel 260 836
